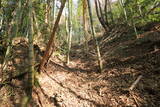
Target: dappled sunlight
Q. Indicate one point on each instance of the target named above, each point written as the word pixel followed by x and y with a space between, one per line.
pixel 79 53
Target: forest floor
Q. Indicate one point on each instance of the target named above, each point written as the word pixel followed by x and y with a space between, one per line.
pixel 79 84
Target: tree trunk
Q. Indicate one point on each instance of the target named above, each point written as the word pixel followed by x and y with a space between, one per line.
pixel 101 17
pixel 85 24
pixel 36 26
pixel 31 53
pixel 124 10
pixel 106 10
pixel 94 37
pixel 110 8
pixel 69 29
pixel 52 38
pixel 53 13
pixel 31 73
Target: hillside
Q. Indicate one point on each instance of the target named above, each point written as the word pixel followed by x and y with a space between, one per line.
pixel 79 53
pixel 125 58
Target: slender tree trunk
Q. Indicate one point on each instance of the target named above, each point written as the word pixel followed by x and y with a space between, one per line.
pixel 18 16
pixel 85 24
pixel 52 38
pixel 2 16
pixel 110 8
pixel 133 24
pixel 46 12
pixel 31 73
pixel 69 29
pixel 106 10
pixel 36 26
pixel 26 100
pixel 101 11
pixel 140 11
pixel 1 23
pixel 31 55
pixel 135 29
pixel 48 15
pixel 94 36
pixel 66 26
pixel 124 10
pixel 101 16
pixel 53 13
pixel 98 15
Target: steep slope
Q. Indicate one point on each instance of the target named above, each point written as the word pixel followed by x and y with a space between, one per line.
pixel 125 57
pixel 79 84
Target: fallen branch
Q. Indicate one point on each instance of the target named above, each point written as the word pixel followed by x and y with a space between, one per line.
pixel 135 83
pixel 132 87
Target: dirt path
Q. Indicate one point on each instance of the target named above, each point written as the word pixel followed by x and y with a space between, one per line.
pixel 79 84
pixel 62 87
pixel 70 89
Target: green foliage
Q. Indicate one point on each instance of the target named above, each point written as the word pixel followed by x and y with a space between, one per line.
pixel 134 8
pixel 138 12
pixel 39 10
